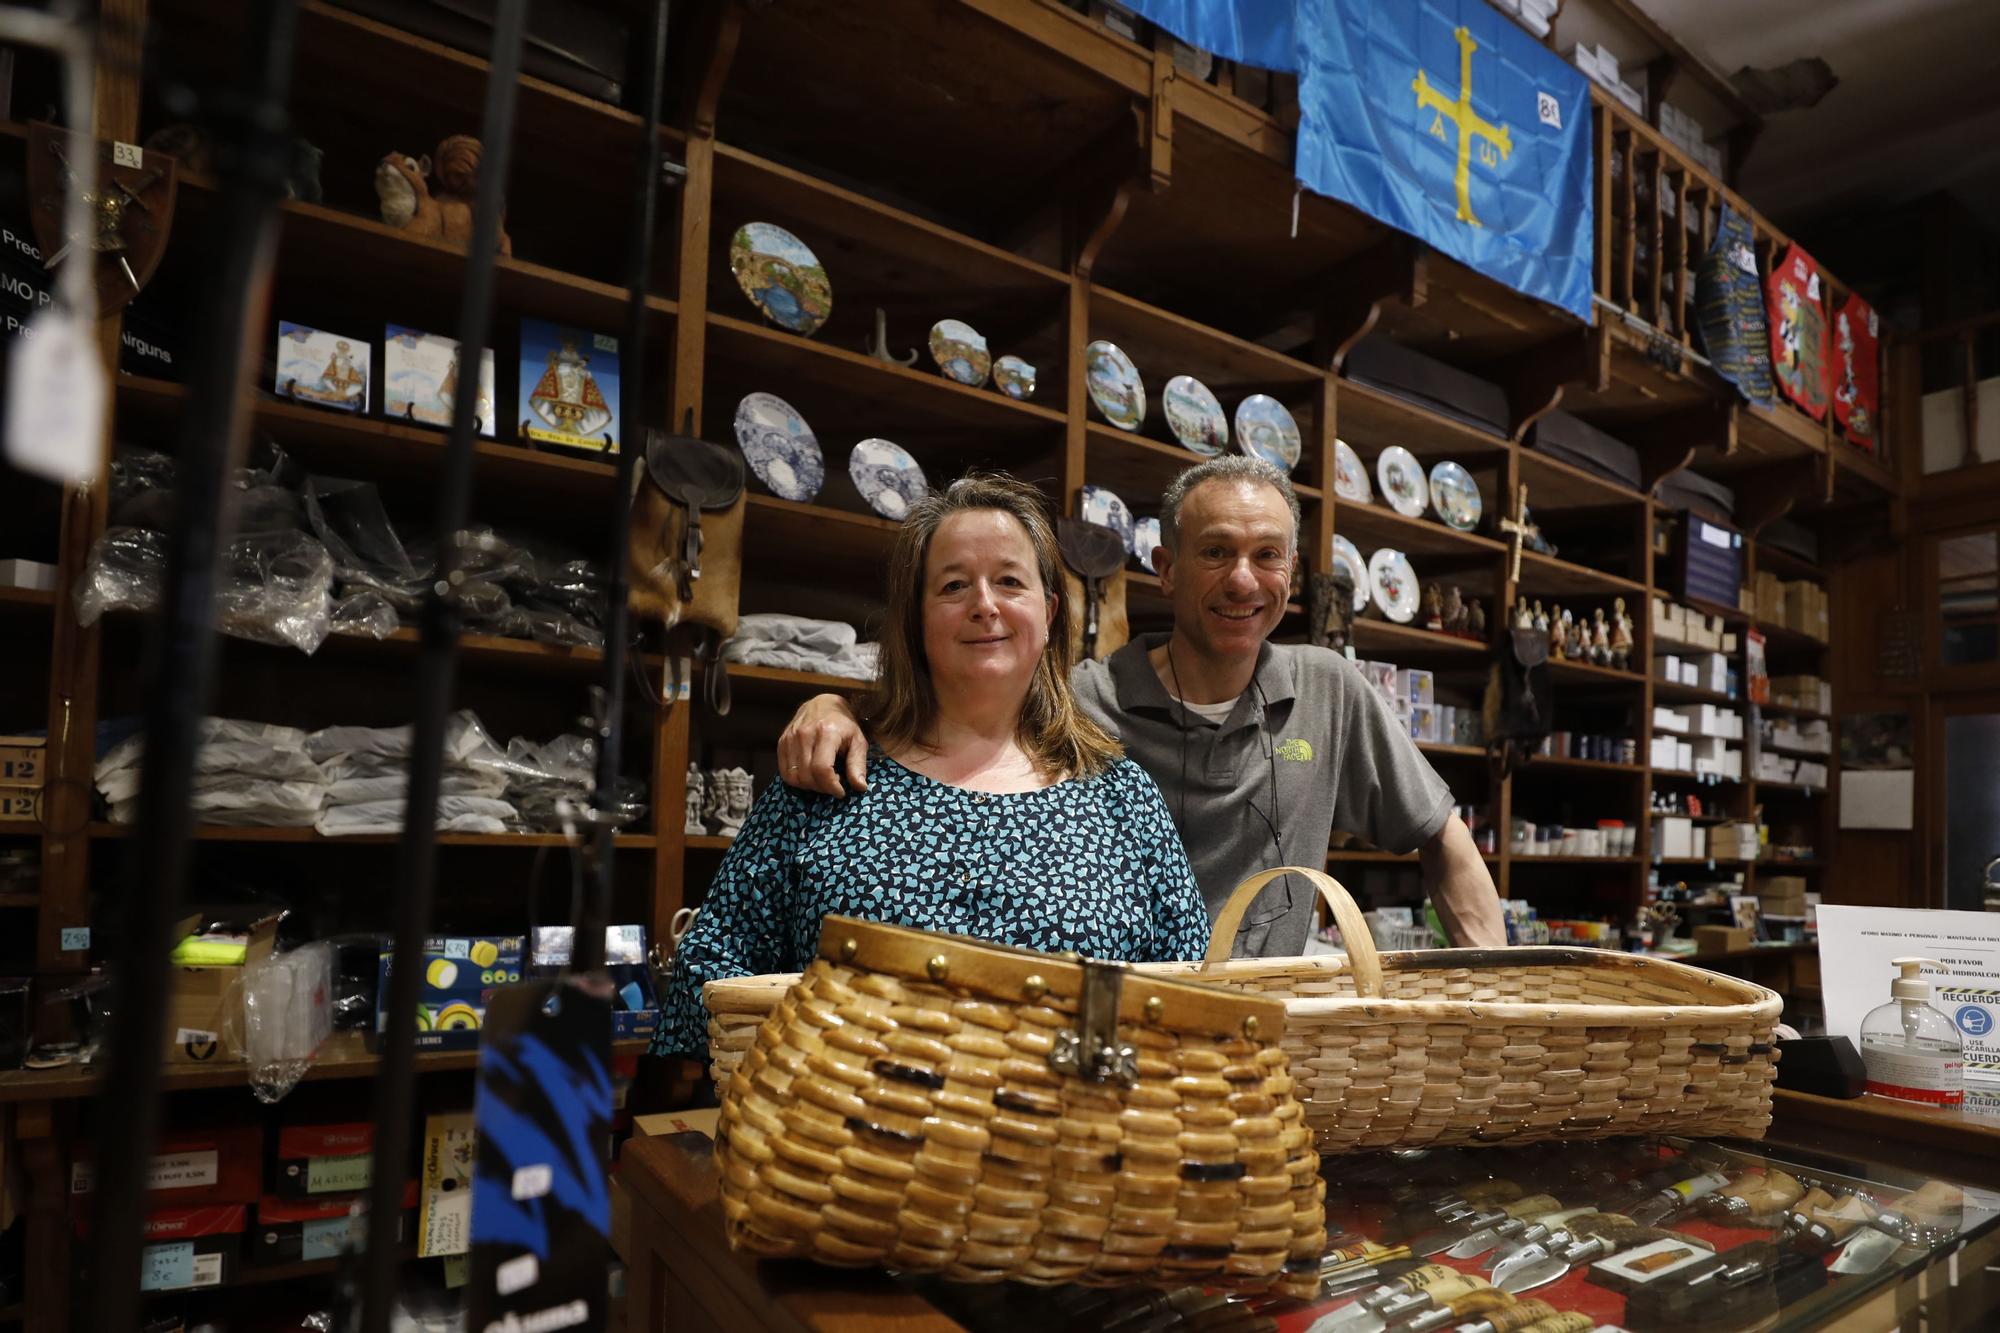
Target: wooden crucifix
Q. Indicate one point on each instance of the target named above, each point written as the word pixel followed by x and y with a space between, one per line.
pixel 1516 528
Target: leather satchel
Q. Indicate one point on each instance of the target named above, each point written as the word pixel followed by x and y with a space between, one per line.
pixel 687 548
pixel 1520 705
pixel 1094 582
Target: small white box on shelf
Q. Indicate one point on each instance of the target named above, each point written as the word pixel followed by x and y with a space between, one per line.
pixel 1698 842
pixel 33 574
pixel 1732 765
pixel 1423 722
pixel 1689 675
pixel 1661 754
pixel 1666 719
pixel 1416 685
pixel 1676 835
pixel 1683 756
pixel 1607 63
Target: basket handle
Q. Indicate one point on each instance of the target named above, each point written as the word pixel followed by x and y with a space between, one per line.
pixel 1361 956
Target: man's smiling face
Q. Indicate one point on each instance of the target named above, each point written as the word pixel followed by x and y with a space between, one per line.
pixel 1232 573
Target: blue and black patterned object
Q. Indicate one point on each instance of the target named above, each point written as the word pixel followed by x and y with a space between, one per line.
pixel 1729 309
pixel 1092 866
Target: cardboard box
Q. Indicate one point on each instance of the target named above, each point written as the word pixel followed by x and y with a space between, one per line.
pixel 1676 835
pixel 35 574
pixel 199 1000
pixel 20 802
pixel 635 1010
pixel 460 974
pixel 1416 685
pixel 290 1231
pixel 1720 939
pixel 316 1160
pixel 192 1247
pixel 444 1203
pixel 190 1168
pixel 23 761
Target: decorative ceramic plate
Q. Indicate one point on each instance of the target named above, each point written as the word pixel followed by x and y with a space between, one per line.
pixel 1350 478
pixel 1264 429
pixel 1394 584
pixel 780 447
pixel 1101 506
pixel 960 352
pixel 1402 480
pixel 1145 536
pixel 1195 416
pixel 783 277
pixel 887 477
pixel 1347 559
pixel 1455 496
pixel 1114 385
pixel 1015 377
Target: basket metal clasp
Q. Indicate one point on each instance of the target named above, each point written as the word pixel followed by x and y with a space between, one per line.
pixel 1091 1050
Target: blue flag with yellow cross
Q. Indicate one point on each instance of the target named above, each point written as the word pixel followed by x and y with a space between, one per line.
pixel 1441 118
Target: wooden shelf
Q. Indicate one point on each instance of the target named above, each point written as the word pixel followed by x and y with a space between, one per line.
pixel 1791 788
pixel 1588 673
pixel 20 899
pixel 787 542
pixel 27 598
pixel 1781 637
pixel 1555 486
pixel 1388 637
pixel 1371 420
pixel 230 833
pixel 1375 525
pixel 1771 559
pixel 1449 750
pixel 1593 765
pixel 1786 710
pixel 1518 861
pixel 345 1056
pixel 1822 756
pixel 779 684
pixel 1137 468
pixel 1546 576
pixel 1371 856
pixel 20 828
pixel 702 842
pixel 1667 692
pixel 1163 344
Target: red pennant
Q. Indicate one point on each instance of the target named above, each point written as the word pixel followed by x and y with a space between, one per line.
pixel 1798 332
pixel 1857 366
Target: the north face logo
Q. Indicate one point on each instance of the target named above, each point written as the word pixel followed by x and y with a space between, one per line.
pixel 1298 749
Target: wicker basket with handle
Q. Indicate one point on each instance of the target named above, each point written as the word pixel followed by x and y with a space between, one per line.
pixel 942 1105
pixel 1450 1047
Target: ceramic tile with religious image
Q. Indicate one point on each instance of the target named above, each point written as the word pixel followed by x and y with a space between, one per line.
pixel 960 352
pixel 782 276
pixel 1015 377
pixel 420 379
pixel 569 386
pixel 321 368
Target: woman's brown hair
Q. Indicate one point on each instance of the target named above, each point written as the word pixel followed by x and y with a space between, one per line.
pixel 902 708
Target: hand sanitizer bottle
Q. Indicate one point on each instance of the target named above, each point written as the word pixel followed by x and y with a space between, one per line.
pixel 1912 1051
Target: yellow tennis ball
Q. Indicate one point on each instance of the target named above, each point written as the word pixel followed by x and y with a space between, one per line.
pixel 457 1017
pixel 485 953
pixel 442 973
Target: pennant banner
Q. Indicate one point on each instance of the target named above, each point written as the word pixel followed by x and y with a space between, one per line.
pixel 1798 331
pixel 1441 118
pixel 1857 352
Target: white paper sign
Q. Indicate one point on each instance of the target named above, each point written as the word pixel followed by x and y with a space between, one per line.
pixel 55 414
pixel 184 1170
pixel 1549 109
pixel 1856 944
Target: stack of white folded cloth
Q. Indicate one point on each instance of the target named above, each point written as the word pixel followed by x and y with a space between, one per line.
pixel 799 643
pixel 366 770
pixel 245 773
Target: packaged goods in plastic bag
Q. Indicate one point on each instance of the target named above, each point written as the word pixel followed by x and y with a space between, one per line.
pixel 455 814
pixel 275 587
pixel 466 742
pixel 226 743
pixel 287 1015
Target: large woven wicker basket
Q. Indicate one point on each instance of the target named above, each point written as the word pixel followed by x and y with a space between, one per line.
pixel 1449 1047
pixel 940 1105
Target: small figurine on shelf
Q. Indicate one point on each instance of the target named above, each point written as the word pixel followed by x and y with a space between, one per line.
pixel 1541 620
pixel 1621 635
pixel 1433 609
pixel 1475 621
pixel 697 789
pixel 735 804
pixel 1522 618
pixel 1600 640
pixel 1562 633
pixel 443 214
pixel 1454 610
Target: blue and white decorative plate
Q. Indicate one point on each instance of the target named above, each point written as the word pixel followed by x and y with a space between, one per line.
pixel 1015 377
pixel 1350 479
pixel 887 477
pixel 1097 505
pixel 1195 416
pixel 1394 584
pixel 1347 559
pixel 1145 536
pixel 1114 385
pixel 780 448
pixel 1455 496
pixel 960 352
pixel 1402 480
pixel 781 275
pixel 1264 429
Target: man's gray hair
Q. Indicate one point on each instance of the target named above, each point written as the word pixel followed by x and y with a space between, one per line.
pixel 1230 467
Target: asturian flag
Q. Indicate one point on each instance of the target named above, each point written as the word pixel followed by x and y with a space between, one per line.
pixel 1442 118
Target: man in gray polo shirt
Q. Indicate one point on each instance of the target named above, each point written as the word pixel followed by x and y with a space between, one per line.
pixel 1260 749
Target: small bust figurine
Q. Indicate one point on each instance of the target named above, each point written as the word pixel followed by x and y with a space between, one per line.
pixel 1522 618
pixel 1562 633
pixel 1454 610
pixel 1433 608
pixel 1541 621
pixel 1621 635
pixel 734 807
pixel 1600 640
pixel 1475 620
pixel 696 790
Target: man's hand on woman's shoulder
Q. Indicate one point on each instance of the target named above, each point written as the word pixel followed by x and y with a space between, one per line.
pixel 821 745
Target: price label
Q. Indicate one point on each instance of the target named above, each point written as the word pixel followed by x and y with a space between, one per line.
pixel 532 1182
pixel 339 1175
pixel 1549 109
pixel 184 1170
pixel 328 1238
pixel 167 1267
pixel 128 155
pixel 206 1271
pixel 456 1269
pixel 75 938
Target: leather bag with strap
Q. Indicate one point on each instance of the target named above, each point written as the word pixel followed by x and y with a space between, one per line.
pixel 687 548
pixel 1520 704
pixel 1094 582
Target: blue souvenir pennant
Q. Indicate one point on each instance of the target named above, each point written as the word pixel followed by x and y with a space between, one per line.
pixel 1440 118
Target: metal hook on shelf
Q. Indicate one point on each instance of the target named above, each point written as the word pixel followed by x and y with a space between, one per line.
pixel 878 346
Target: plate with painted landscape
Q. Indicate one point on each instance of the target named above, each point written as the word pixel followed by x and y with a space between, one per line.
pixel 1455 496
pixel 960 352
pixel 1015 377
pixel 1195 416
pixel 781 276
pixel 1264 429
pixel 1114 385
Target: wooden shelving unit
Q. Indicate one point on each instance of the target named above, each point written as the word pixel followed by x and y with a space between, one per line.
pixel 1022 196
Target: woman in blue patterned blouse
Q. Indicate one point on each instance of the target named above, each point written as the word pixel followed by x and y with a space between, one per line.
pixel 1001 811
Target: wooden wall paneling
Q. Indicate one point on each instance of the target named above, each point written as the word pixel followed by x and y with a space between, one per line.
pixel 1884 868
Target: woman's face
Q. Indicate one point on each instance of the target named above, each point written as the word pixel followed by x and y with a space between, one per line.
pixel 986 613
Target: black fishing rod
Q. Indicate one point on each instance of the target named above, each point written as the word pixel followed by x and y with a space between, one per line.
pixel 437 661
pixel 249 136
